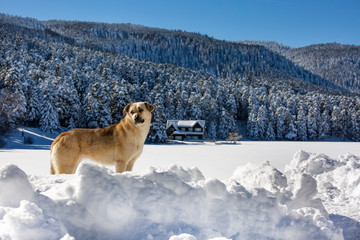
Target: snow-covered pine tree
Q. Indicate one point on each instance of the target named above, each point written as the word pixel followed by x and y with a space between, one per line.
pixel 262 121
pixel 313 118
pixel 159 114
pixel 337 122
pixel 226 124
pixel 270 134
pixel 157 133
pixel 194 110
pixel 69 104
pixel 292 131
pixel 355 126
pixel 282 122
pixel 49 121
pixel 33 104
pixel 252 125
pixel 119 97
pixel 16 83
pixel 211 130
pixel 324 128
pixel 301 123
pixel 97 109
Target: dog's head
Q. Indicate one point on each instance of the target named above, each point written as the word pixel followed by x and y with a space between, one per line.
pixel 139 112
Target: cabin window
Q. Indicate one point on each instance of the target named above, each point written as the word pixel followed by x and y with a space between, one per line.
pixel 198 130
pixel 178 138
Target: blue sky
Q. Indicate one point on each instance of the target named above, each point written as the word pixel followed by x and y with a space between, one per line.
pixel 290 22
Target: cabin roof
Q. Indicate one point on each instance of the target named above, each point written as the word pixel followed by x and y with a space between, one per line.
pixel 185 123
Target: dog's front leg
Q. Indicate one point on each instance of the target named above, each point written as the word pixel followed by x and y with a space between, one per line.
pixel 120 166
pixel 130 165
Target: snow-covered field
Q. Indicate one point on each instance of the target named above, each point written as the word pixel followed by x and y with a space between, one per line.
pixel 249 190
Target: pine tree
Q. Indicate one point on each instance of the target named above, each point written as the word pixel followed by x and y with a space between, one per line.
pixel 347 123
pixel 337 122
pixel 15 82
pixel 49 121
pixel 157 133
pixel 159 114
pixel 292 133
pixel 69 105
pixel 270 134
pixel 33 104
pixel 195 111
pixel 262 121
pixel 252 125
pixel 355 126
pixel 301 124
pixel 119 98
pixel 211 130
pixel 312 123
pixel 97 109
pixel 282 122
pixel 325 129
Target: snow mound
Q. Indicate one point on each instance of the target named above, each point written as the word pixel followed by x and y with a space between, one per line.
pixel 29 222
pixel 260 176
pixel 338 180
pixel 258 202
pixel 14 186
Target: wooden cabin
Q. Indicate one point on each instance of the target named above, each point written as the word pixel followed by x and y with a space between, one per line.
pixel 185 129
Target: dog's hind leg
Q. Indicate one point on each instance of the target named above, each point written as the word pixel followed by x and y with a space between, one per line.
pixel 68 162
pixel 52 170
pixel 66 165
pixel 64 159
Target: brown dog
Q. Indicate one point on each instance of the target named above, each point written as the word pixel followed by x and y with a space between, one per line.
pixel 119 144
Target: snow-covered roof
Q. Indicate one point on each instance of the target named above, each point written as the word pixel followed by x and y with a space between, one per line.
pixel 185 123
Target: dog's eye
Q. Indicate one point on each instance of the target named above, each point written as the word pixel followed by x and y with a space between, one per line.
pixel 140 110
pixel 132 112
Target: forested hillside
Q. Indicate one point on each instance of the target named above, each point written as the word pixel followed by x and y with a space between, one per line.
pixel 189 50
pixel 337 63
pixel 51 77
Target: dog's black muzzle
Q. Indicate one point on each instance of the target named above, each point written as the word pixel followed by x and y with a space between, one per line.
pixel 138 120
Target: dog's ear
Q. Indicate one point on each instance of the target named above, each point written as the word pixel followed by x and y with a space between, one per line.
pixel 149 107
pixel 126 109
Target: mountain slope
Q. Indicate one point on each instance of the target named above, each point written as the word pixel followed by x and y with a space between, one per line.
pixel 337 63
pixel 189 50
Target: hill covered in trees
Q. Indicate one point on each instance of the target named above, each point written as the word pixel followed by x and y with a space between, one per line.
pixel 339 64
pixel 73 74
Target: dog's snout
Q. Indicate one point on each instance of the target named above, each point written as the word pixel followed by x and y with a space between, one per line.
pixel 138 119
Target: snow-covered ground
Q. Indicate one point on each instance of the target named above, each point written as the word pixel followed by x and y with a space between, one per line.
pixel 214 160
pixel 249 190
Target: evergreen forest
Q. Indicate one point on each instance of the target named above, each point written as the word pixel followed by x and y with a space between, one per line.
pixel 59 75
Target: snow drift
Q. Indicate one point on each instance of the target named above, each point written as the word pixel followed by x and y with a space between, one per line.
pixel 257 202
pixel 338 180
